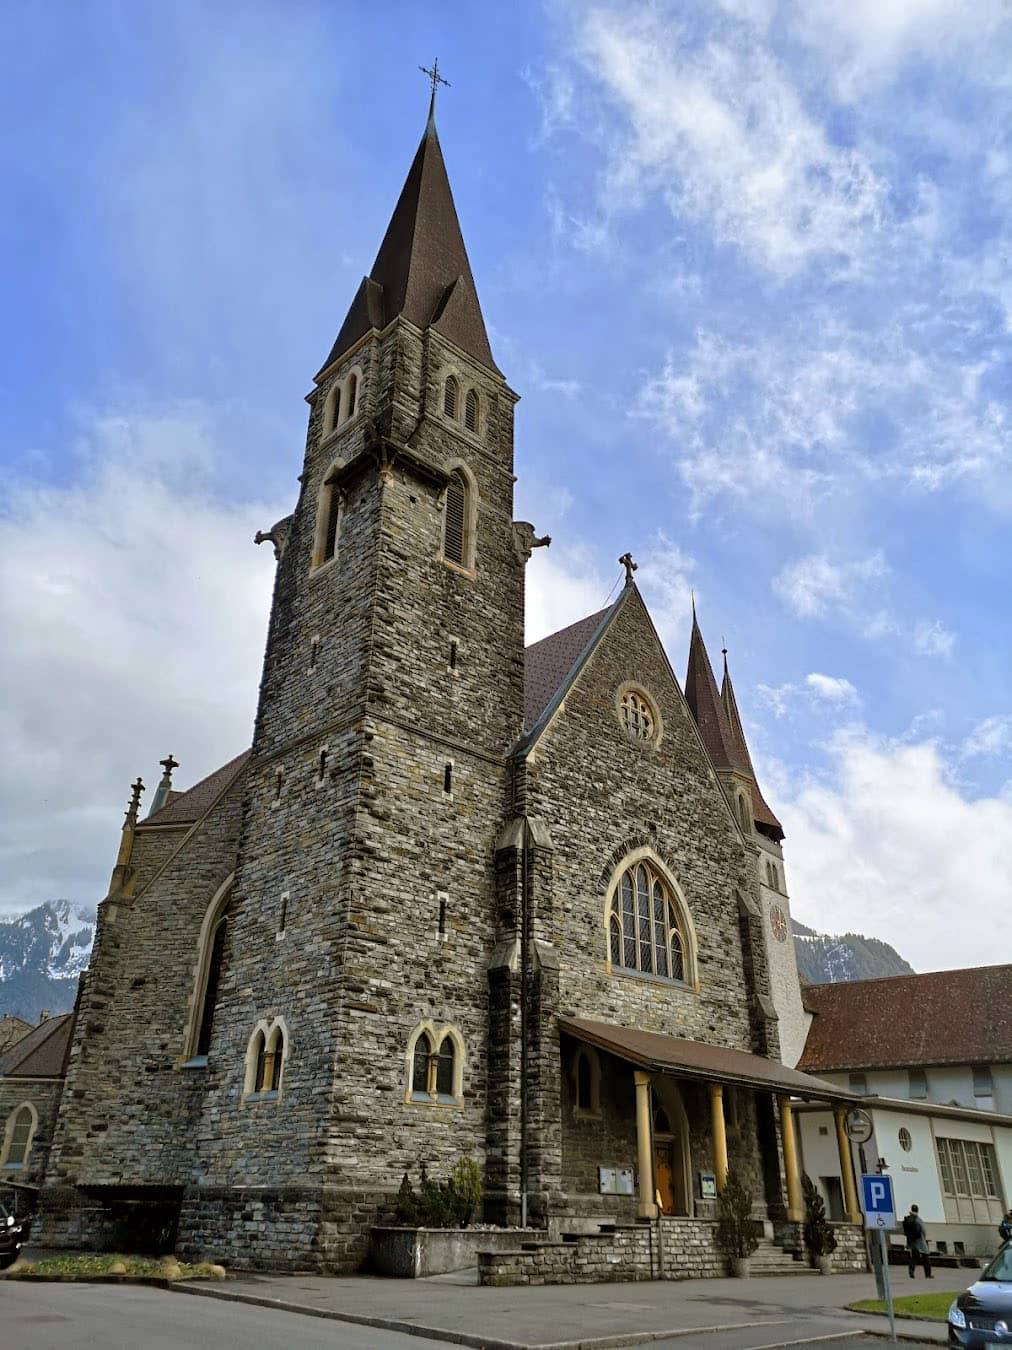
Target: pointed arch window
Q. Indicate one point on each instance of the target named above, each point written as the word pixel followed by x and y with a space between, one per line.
pixel 472 411
pixel 436 1066
pixel 328 520
pixel 265 1060
pixel 333 418
pixel 455 525
pixel 351 398
pixel 451 393
pixel 214 965
pixel 18 1136
pixel 645 930
pixel 420 1068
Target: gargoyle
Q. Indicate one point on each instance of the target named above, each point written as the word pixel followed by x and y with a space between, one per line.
pixel 277 534
pixel 524 540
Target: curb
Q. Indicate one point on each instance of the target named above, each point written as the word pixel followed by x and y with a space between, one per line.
pixel 486 1343
pixel 26 1276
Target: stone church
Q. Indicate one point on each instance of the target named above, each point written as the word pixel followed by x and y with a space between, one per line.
pixel 458 897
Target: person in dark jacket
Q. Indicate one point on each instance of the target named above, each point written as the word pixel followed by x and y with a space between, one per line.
pixel 917 1242
pixel 1005 1228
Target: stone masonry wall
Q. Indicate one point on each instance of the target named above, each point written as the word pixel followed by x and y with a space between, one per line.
pixel 674 1249
pixel 44 1095
pixel 128 1108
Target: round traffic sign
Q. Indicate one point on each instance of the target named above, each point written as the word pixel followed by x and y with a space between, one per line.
pixel 858 1126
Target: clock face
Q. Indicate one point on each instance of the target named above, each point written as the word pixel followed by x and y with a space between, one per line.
pixel 778 922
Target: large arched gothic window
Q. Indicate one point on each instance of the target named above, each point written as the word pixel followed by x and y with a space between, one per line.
pixel 214 964
pixel 645 930
pixel 17 1142
pixel 211 945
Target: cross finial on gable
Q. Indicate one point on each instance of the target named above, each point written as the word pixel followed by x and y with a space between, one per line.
pixel 168 764
pixel 630 567
pixel 434 78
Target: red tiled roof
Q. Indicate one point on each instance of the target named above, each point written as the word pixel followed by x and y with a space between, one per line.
pixel 40 1054
pixel 183 808
pixel 549 662
pixel 944 1017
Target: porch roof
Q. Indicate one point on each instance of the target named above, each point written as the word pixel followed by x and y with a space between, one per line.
pixel 693 1059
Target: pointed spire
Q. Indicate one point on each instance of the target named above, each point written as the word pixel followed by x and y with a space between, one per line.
pixel 164 788
pixel 421 270
pixel 705 703
pixel 121 871
pixel 764 817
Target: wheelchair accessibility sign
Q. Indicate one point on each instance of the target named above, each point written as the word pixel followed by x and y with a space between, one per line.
pixel 879 1206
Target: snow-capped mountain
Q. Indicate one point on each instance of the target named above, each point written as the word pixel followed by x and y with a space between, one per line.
pixel 41 955
pixel 825 959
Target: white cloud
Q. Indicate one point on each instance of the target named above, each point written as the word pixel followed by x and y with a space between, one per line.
pixel 717 127
pixel 563 585
pixel 990 738
pixel 815 585
pixel 832 688
pixel 139 606
pixel 886 844
pixel 932 638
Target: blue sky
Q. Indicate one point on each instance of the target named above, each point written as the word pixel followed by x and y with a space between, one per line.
pixel 747 264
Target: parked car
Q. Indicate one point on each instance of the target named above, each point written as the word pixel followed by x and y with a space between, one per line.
pixel 13 1235
pixel 983 1315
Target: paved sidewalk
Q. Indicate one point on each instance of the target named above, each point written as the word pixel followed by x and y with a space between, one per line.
pixel 786 1309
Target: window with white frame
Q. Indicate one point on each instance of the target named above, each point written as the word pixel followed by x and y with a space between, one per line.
pixel 968 1168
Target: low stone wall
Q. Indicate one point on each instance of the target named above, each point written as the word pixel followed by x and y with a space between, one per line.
pixel 674 1249
pixel 851 1253
pixel 252 1227
pixel 413 1253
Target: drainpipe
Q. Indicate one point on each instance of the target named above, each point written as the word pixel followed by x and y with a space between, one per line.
pixel 524 982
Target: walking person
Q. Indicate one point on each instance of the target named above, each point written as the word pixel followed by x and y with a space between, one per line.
pixel 1005 1228
pixel 917 1242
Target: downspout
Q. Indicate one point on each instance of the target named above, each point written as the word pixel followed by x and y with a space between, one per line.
pixel 524 983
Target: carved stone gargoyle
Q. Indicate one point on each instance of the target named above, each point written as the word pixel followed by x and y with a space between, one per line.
pixel 524 541
pixel 277 534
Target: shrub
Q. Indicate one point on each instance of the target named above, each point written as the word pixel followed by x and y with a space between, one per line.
pixel 736 1229
pixel 440 1204
pixel 819 1236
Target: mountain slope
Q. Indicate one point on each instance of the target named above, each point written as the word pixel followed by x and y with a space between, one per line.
pixel 825 959
pixel 41 955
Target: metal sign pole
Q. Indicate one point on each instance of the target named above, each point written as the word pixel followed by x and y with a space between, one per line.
pixel 884 1254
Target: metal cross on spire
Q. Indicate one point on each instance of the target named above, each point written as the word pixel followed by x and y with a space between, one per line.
pixel 435 79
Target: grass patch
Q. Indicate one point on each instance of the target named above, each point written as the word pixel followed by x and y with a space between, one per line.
pixel 92 1264
pixel 929 1307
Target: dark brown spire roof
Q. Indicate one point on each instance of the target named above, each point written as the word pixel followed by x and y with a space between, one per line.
pixel 421 269
pixel 764 817
pixel 704 702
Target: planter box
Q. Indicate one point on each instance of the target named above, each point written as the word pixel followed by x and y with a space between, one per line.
pixel 411 1253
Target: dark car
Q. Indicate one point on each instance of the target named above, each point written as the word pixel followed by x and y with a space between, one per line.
pixel 983 1315
pixel 13 1235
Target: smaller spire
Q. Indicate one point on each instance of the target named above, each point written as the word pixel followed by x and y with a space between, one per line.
pixel 164 788
pixel 761 811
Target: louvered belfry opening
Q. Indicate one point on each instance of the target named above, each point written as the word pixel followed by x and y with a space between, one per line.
pixel 456 518
pixel 471 411
pixel 333 520
pixel 450 397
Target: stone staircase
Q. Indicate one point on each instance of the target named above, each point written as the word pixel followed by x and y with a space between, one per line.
pixel 769 1259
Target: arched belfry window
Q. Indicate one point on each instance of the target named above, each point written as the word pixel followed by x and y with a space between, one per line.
pixel 647 930
pixel 456 525
pixel 332 418
pixel 351 396
pixel 451 392
pixel 328 520
pixel 472 411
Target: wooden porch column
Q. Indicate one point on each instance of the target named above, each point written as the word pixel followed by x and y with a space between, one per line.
pixel 795 1213
pixel 846 1165
pixel 719 1134
pixel 644 1146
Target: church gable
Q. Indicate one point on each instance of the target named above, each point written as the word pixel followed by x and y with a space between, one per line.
pixel 618 773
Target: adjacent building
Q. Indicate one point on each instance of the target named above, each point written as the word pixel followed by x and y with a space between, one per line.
pixel 930 1056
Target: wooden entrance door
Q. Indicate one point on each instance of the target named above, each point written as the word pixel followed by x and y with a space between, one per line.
pixel 664 1176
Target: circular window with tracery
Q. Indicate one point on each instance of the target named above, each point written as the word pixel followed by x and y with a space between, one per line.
pixel 778 922
pixel 638 716
pixel 906 1142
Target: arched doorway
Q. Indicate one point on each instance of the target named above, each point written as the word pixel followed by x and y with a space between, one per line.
pixel 671 1150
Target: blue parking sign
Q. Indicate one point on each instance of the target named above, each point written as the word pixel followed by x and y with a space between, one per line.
pixel 879 1206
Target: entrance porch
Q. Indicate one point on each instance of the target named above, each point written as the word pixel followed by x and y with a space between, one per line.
pixel 650 1125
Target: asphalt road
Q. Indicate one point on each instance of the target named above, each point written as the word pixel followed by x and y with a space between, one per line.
pixel 97 1317
pixel 130 1317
